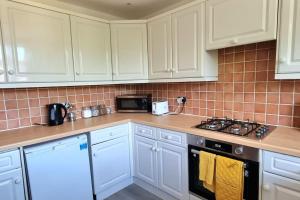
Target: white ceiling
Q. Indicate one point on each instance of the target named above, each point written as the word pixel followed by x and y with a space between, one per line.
pixel 129 9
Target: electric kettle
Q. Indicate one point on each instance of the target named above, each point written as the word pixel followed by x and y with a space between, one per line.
pixel 55 114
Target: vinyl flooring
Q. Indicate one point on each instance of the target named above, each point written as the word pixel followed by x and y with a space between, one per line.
pixel 133 192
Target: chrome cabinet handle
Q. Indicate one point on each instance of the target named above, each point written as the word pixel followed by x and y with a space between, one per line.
pixel 1 71
pixel 17 181
pixel 153 149
pixel 11 72
pixel 266 187
pixel 77 73
pixel 234 41
pixel 157 150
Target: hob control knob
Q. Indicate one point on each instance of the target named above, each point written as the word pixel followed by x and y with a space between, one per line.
pixel 239 150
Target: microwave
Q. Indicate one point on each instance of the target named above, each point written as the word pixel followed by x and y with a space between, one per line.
pixel 134 103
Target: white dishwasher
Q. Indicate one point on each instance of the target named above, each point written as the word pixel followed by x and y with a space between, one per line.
pixel 59 170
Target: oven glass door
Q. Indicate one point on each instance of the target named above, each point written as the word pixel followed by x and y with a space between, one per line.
pixel 251 179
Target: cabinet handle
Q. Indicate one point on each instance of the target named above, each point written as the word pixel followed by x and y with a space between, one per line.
pixel 94 154
pixel 168 70
pixel 157 150
pixel 153 149
pixel 168 137
pixel 173 70
pixel 234 41
pixel 1 71
pixel 17 181
pixel 77 73
pixel 11 72
pixel 266 187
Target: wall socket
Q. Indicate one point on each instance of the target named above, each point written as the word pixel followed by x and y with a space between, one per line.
pixel 181 100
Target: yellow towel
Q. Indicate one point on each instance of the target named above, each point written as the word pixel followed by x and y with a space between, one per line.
pixel 207 170
pixel 229 179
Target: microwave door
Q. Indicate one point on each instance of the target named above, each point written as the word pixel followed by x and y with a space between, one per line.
pixel 131 105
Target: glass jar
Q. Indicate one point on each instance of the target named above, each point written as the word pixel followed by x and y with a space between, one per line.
pixel 95 111
pixel 86 112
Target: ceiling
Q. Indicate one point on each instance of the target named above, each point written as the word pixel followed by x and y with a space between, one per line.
pixel 129 9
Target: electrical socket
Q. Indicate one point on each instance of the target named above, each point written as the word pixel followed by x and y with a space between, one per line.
pixel 181 100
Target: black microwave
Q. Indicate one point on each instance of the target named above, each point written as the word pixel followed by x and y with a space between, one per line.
pixel 132 103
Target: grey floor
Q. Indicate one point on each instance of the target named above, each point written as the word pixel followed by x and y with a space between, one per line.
pixel 133 192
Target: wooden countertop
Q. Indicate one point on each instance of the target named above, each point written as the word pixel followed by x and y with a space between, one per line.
pixel 282 140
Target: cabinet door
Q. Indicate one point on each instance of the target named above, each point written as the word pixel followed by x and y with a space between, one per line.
pixel 11 185
pixel 172 170
pixel 129 51
pixel 111 163
pixel 145 160
pixel 37 44
pixel 188 42
pixel 279 188
pixel 236 22
pixel 289 39
pixel 2 67
pixel 160 48
pixel 92 52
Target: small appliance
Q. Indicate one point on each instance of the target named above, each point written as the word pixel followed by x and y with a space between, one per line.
pixel 134 103
pixel 160 107
pixel 55 114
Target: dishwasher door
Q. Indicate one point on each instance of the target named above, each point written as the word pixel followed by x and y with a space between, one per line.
pixel 59 170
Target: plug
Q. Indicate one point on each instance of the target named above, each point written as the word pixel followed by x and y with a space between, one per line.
pixel 181 100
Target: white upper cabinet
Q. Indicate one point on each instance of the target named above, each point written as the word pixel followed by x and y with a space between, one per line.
pixel 129 51
pixel 2 67
pixel 160 48
pixel 237 22
pixel 189 56
pixel 37 44
pixel 288 43
pixel 91 47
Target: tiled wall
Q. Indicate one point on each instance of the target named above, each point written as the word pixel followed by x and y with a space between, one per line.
pixel 246 89
pixel 24 107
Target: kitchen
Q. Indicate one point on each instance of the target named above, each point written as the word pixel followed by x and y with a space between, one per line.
pixel 196 65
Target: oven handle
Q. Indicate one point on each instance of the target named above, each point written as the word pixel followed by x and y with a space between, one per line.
pixel 198 152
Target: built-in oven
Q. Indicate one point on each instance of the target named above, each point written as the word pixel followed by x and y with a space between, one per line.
pixel 249 156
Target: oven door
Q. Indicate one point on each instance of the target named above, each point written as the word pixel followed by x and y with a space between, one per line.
pixel 251 179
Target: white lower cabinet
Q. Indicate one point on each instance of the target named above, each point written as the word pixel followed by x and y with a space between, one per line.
pixel 110 163
pixel 279 188
pixel 11 185
pixel 145 160
pixel 111 160
pixel 162 165
pixel 172 169
pixel 281 177
pixel 11 178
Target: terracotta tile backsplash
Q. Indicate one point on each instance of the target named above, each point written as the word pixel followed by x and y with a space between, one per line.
pixel 246 89
pixel 24 107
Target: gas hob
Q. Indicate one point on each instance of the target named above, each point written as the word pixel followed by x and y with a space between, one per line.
pixel 248 129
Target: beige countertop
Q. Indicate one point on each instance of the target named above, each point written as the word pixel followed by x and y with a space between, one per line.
pixel 282 140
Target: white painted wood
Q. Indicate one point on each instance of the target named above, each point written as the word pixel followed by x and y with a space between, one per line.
pixel 145 131
pixel 283 165
pixel 105 134
pixel 111 163
pixel 129 51
pixel 145 160
pixel 172 137
pixel 279 188
pixel 11 185
pixel 37 44
pixel 160 48
pixel 288 43
pixel 92 50
pixel 2 63
pixel 173 170
pixel 190 59
pixel 10 160
pixel 236 22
